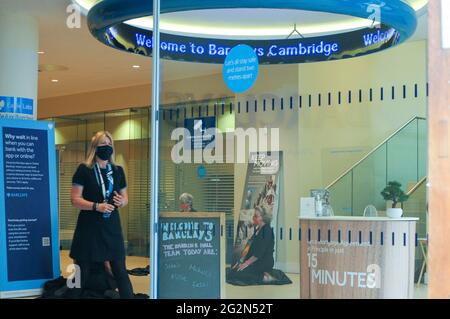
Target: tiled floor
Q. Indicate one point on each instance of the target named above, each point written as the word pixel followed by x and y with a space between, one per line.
pixel 292 291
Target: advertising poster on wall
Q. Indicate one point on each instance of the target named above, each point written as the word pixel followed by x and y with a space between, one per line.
pixel 261 190
pixel 29 252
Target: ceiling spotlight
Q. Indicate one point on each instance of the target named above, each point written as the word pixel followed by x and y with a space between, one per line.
pixel 55 81
pixel 41 52
pixel 136 66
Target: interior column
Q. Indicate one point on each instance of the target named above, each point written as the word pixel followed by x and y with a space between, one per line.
pixel 439 149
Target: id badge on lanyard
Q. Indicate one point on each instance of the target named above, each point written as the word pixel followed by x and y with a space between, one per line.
pixel 107 193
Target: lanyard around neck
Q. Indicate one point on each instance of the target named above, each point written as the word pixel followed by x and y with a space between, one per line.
pixel 100 181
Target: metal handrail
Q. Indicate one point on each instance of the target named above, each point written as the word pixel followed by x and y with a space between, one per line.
pixel 419 183
pixel 374 150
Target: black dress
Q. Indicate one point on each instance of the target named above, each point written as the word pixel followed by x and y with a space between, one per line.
pixel 262 247
pixel 97 239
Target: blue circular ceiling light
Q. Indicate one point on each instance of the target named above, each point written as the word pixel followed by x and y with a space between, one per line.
pixel 394 22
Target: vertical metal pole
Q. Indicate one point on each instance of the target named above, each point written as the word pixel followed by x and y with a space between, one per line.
pixel 351 194
pixel 154 214
pixel 417 154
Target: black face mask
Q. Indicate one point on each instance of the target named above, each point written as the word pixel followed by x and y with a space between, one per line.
pixel 104 152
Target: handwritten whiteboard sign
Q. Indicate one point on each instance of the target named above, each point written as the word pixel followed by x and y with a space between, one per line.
pixel 190 257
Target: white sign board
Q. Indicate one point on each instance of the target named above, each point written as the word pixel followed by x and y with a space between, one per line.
pixel 445 8
pixel 307 207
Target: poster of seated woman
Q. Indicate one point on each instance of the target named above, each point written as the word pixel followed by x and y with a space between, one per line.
pixel 256 262
pixel 265 197
pixel 254 253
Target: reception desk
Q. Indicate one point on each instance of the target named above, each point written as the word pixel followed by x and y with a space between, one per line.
pixel 357 257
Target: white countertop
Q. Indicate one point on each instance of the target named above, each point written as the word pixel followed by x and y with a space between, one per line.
pixel 361 218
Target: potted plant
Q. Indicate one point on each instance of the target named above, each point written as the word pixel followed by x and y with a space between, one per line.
pixel 394 193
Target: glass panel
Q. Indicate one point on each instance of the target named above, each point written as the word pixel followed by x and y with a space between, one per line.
pixel 211 185
pixel 218 187
pixel 130 129
pixel 416 206
pixel 138 183
pixel 402 157
pixel 70 139
pixel 224 187
pixel 369 179
pixel 341 196
pixel 192 188
pixel 423 149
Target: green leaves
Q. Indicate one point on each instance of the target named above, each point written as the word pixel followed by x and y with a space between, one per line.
pixel 394 193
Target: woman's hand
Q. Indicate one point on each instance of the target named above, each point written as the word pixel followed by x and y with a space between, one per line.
pixel 242 266
pixel 105 208
pixel 119 200
pixel 247 263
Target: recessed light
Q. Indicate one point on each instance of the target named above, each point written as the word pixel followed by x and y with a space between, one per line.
pixel 55 81
pixel 136 66
pixel 41 52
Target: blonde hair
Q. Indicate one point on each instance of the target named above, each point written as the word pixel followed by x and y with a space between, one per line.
pixel 95 141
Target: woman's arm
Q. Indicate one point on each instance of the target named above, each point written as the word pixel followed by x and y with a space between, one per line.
pixel 79 202
pixel 77 199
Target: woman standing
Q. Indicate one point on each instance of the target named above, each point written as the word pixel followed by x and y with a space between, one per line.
pixel 98 190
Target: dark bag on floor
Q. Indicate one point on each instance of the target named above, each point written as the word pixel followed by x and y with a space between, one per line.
pixel 277 278
pixel 100 285
pixel 139 271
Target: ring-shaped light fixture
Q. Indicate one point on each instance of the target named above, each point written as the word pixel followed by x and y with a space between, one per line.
pixel 394 22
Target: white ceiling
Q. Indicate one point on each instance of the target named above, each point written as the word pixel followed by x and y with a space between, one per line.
pixel 93 66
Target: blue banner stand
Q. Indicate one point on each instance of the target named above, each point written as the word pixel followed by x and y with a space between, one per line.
pixel 29 242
